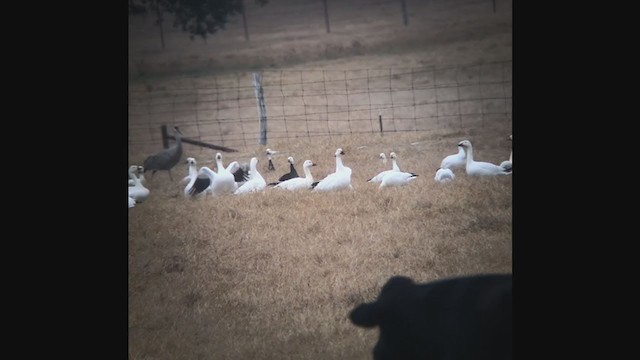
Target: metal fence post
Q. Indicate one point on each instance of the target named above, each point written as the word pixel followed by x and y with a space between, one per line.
pixel 257 83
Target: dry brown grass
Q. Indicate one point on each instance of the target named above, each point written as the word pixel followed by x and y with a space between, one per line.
pixel 274 275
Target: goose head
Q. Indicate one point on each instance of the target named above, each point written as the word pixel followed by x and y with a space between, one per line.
pixel 308 164
pixel 465 144
pixel 191 161
pixel 290 160
pixel 339 152
pixel 393 155
pixel 177 130
pixel 382 156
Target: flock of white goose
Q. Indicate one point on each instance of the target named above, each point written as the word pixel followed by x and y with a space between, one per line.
pixel 236 179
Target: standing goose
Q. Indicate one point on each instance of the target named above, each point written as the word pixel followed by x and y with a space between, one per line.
pixel 299 182
pixel 269 153
pixel 444 175
pixel 256 181
pixel 167 158
pixel 395 167
pixel 341 179
pixel 480 168
pixel 138 192
pixel 454 161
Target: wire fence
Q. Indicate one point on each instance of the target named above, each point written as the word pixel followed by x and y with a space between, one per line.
pixel 223 110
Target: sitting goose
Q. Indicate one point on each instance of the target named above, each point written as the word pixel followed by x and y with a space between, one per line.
pixel 444 175
pixel 138 192
pixel 395 167
pixel 290 175
pixel 193 171
pixel 140 174
pixel 299 182
pixel 396 178
pixel 202 184
pixel 341 179
pixel 224 181
pixel 480 168
pixel 454 161
pixel 256 181
pixel 508 164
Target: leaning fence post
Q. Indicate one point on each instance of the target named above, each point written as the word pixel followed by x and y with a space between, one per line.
pixel 257 83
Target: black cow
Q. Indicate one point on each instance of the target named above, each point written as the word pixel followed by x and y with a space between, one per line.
pixel 458 318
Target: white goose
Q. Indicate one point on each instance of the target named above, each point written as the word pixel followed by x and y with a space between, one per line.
pixel 383 158
pixel 202 184
pixel 140 176
pixel 192 177
pixel 396 178
pixel 454 161
pixel 395 167
pixel 444 175
pixel 224 182
pixel 132 202
pixel 138 192
pixel 256 181
pixel 269 153
pixel 193 171
pixel 341 179
pixel 480 168
pixel 299 183
pixel 508 164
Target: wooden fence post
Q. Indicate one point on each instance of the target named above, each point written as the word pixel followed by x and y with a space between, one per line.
pixel 380 121
pixel 326 15
pixel 165 136
pixel 405 16
pixel 244 21
pixel 257 83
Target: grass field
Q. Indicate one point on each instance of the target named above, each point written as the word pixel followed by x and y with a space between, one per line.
pixel 273 275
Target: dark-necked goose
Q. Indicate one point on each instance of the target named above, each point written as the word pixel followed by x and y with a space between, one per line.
pixel 299 182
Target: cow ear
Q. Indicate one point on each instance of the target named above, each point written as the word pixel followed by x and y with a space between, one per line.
pixel 366 315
